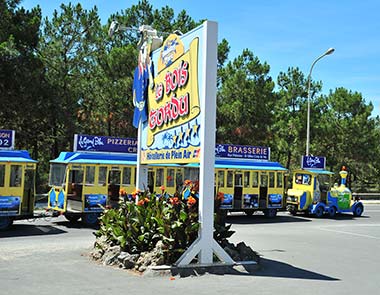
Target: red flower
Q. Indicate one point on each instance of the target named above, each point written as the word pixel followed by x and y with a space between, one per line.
pixel 162 188
pixel 140 203
pixel 191 201
pixel 174 201
pixel 220 196
pixel 135 193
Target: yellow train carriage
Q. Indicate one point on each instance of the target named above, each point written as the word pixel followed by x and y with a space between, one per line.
pixel 17 186
pixel 82 184
pixel 247 185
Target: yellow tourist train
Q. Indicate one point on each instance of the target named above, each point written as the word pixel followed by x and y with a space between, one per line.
pixel 85 181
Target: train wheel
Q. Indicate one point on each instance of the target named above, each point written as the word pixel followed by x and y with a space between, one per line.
pixel 90 219
pixel 249 212
pixel 358 211
pixel 319 211
pixel 5 222
pixel 332 211
pixel 270 213
pixel 72 217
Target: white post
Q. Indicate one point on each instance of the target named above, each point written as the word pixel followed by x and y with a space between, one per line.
pixel 205 245
pixel 142 170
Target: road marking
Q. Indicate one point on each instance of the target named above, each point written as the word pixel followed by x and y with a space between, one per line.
pixel 350 233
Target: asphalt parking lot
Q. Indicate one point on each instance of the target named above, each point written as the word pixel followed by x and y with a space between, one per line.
pixel 299 255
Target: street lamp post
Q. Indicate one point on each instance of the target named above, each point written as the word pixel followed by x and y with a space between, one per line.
pixel 329 51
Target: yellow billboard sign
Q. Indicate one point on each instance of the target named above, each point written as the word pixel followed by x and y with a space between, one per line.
pixel 171 134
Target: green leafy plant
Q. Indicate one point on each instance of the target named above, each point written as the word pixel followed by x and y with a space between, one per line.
pixel 138 224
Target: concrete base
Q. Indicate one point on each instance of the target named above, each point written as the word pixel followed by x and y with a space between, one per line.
pixel 238 268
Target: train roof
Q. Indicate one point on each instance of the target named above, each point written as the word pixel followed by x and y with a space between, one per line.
pixel 19 156
pixel 315 171
pixel 245 164
pixel 130 159
pixel 95 158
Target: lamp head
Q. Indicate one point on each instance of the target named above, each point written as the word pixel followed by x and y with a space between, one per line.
pixel 329 51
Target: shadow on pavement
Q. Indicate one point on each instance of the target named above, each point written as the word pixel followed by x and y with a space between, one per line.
pixel 23 230
pixel 276 269
pixel 261 219
pixel 265 268
pixel 76 224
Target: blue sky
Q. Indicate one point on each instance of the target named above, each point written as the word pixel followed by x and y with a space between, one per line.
pixel 290 33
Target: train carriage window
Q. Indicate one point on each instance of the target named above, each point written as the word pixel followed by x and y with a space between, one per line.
pixel 90 175
pixel 179 179
pixel 16 174
pixel 159 177
pixel 57 174
pixel 301 178
pixel 246 178
pixel 127 171
pixel 271 179
pixel 170 178
pixel 102 178
pixel 192 174
pixel 114 177
pixel 230 178
pixel 221 178
pixel 255 179
pixel 76 176
pixel 263 180
pixel 279 179
pixel 2 175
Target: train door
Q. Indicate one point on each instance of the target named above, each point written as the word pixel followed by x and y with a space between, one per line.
pixel 238 191
pixel 179 179
pixel 28 195
pixel 74 189
pixel 15 187
pixel 151 177
pixel 114 180
pixel 263 193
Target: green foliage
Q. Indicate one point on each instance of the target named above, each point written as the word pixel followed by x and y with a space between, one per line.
pixel 137 227
pixel 66 76
pixel 245 101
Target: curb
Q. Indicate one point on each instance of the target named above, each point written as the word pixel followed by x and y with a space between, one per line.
pixel 240 268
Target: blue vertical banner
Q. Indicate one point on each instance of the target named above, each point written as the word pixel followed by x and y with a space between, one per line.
pixel 7 139
pixel 313 162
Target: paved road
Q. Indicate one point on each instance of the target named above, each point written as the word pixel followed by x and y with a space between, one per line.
pixel 299 256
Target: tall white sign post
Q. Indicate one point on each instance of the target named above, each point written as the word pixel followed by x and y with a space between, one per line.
pixel 205 245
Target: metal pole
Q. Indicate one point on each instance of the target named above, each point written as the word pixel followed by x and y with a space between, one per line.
pixel 329 51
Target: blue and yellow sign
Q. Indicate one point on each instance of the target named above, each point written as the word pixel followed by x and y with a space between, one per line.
pixel 110 144
pixel 172 132
pixel 7 138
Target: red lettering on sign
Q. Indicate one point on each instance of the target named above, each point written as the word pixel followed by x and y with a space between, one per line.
pixel 176 107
